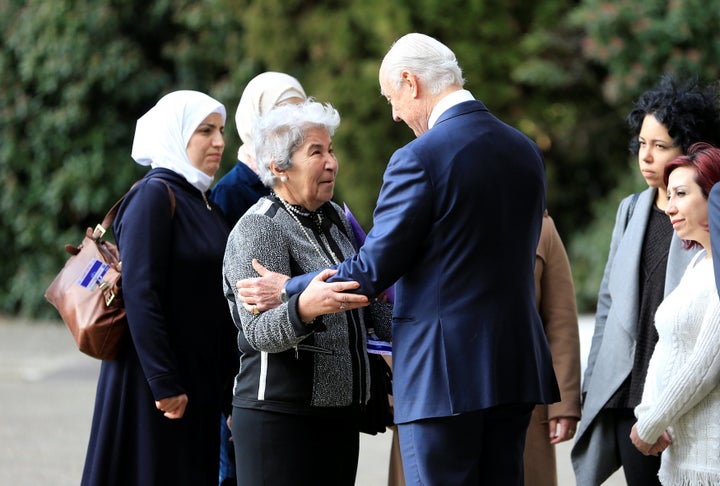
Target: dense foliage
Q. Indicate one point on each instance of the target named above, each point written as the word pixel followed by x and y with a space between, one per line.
pixel 76 74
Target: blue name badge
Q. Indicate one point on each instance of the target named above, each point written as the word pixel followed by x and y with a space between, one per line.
pixel 93 274
pixel 377 346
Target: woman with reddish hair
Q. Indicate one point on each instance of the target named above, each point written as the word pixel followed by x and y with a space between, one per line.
pixel 680 408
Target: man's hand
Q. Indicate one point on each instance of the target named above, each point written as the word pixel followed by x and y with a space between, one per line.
pixel 650 449
pixel 173 407
pixel 263 293
pixel 562 429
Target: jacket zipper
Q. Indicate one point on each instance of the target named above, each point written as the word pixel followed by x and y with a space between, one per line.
pixel 312 349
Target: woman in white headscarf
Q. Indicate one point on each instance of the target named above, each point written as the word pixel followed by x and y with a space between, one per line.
pixel 241 188
pixel 157 404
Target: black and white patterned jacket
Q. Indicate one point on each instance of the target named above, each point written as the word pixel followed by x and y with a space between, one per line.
pixel 287 365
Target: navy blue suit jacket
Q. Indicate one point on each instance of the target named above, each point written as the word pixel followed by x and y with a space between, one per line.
pixel 714 221
pixel 456 225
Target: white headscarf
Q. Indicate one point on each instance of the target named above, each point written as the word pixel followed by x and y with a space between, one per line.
pixel 263 92
pixel 162 134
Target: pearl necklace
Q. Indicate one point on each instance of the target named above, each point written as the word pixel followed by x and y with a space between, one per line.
pixel 293 212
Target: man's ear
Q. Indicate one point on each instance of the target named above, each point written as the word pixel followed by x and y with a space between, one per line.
pixel 412 82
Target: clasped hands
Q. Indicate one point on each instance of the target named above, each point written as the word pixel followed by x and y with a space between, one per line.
pixel 650 449
pixel 173 407
pixel 262 293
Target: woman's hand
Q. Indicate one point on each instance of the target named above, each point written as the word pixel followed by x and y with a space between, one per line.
pixel 321 297
pixel 650 449
pixel 228 422
pixel 173 407
pixel 562 429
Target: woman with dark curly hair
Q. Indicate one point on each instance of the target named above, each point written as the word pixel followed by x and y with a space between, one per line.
pixel 645 263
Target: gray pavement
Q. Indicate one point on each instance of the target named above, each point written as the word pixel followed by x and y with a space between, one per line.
pixel 47 390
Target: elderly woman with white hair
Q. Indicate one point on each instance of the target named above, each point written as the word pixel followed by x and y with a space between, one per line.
pixel 157 404
pixel 304 375
pixel 241 188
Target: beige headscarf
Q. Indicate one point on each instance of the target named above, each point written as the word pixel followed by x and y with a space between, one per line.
pixel 263 92
pixel 162 134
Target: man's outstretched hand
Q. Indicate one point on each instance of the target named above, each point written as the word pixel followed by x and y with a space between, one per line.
pixel 261 293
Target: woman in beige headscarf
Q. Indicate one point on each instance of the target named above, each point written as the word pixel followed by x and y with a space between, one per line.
pixel 241 188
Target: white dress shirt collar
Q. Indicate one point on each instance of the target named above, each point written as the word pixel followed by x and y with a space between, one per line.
pixel 454 98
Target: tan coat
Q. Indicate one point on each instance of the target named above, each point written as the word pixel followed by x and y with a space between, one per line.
pixel 555 295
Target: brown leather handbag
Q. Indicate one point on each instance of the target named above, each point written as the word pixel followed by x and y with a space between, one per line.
pixel 88 291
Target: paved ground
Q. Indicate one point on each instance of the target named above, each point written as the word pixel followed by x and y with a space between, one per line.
pixel 47 389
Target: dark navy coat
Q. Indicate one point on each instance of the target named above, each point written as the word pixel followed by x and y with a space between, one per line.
pixel 181 340
pixel 714 221
pixel 237 191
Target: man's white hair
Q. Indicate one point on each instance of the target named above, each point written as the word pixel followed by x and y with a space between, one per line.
pixel 427 58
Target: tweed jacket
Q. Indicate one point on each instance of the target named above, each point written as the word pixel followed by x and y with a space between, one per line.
pixel 613 345
pixel 286 365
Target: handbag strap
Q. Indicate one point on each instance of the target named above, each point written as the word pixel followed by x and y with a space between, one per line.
pixel 107 221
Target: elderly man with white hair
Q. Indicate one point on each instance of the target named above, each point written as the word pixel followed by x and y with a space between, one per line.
pixel 456 225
